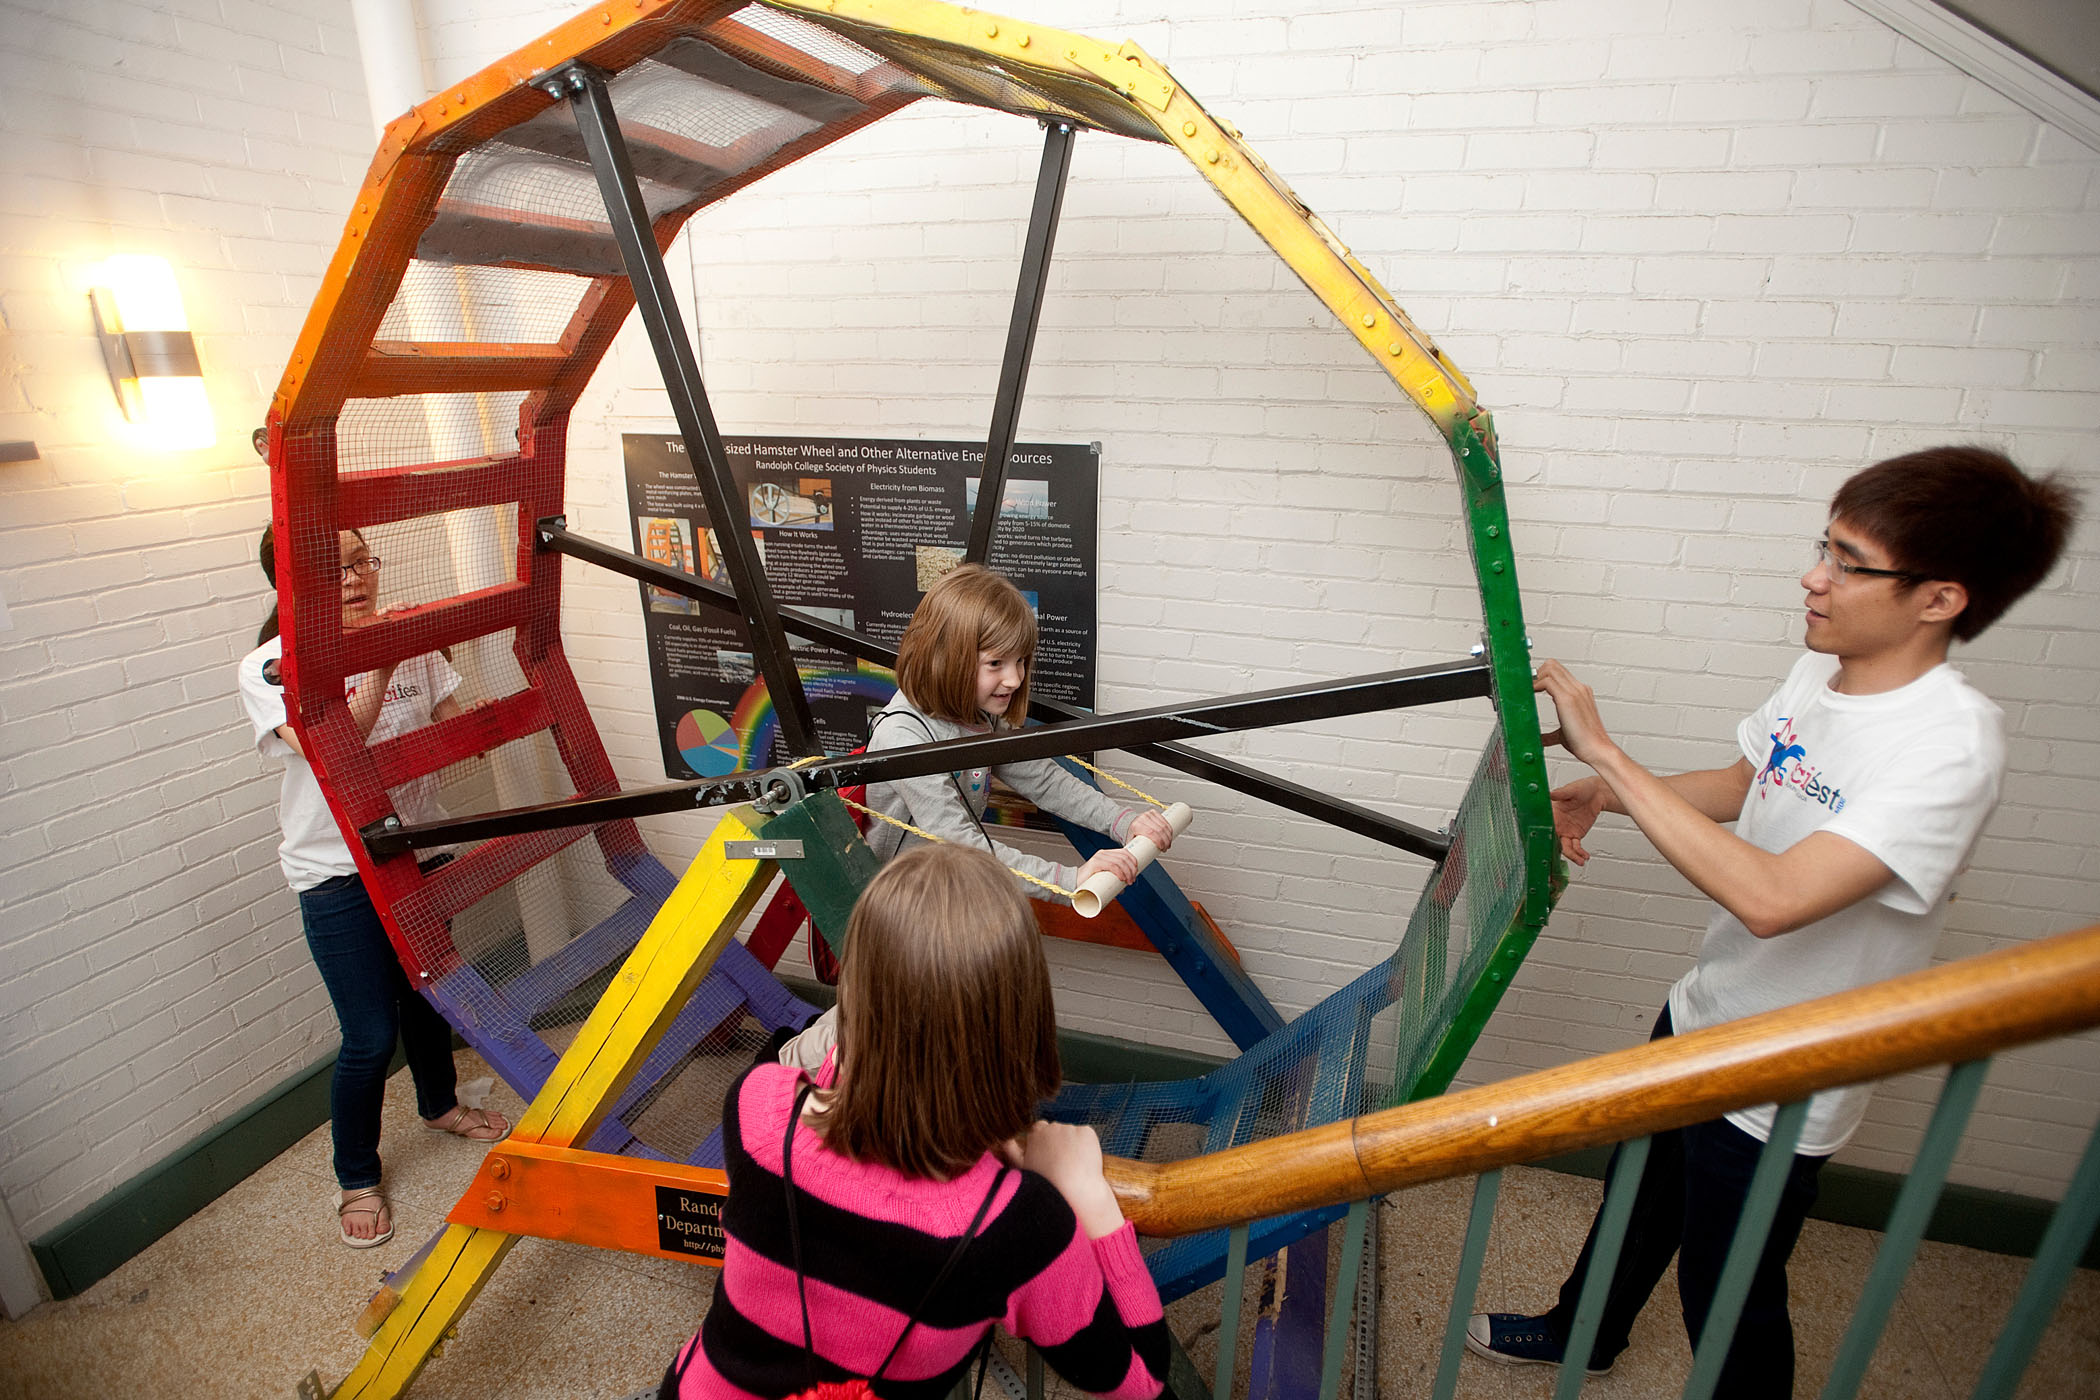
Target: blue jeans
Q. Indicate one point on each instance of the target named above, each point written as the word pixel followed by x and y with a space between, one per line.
pixel 374 1005
pixel 1688 1203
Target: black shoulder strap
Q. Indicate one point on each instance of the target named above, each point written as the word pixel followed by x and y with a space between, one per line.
pixel 984 1208
pixel 912 715
pixel 787 1181
pixel 962 793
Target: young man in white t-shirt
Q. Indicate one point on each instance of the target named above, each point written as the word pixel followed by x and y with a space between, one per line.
pixel 1862 785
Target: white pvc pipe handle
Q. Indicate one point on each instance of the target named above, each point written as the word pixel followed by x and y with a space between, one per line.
pixel 1101 890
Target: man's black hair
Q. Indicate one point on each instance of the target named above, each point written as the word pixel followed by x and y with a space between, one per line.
pixel 1967 515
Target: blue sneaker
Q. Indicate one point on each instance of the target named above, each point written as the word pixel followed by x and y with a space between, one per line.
pixel 1514 1340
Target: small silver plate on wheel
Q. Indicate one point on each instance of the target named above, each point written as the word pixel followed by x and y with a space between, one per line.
pixel 763 850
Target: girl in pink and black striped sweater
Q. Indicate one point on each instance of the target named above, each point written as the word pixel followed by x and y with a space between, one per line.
pixel 947 1043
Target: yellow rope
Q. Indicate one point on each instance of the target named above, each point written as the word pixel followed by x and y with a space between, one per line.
pixel 929 836
pixel 1118 782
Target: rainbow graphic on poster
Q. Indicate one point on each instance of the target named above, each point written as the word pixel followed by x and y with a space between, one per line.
pixel 754 720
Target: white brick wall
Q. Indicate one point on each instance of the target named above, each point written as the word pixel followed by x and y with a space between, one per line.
pixel 153 980
pixel 1697 300
pixel 1702 260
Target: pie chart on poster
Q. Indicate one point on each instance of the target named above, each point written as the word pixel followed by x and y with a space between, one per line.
pixel 708 744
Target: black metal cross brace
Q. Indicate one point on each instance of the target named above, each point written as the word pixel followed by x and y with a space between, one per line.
pixel 1226 714
pixel 1362 821
pixel 584 89
pixel 1020 337
pixel 1138 731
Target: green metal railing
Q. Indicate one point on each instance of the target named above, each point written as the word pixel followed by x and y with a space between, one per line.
pixel 2070 1228
pixel 1956 1015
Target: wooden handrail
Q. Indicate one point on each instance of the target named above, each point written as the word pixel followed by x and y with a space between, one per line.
pixel 1945 1014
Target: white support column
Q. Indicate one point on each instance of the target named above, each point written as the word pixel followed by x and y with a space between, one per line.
pixel 389 41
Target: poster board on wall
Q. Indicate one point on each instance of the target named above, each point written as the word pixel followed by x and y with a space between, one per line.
pixel 853 530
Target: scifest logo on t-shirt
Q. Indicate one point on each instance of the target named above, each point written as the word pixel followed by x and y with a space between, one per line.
pixel 396 690
pixel 1788 770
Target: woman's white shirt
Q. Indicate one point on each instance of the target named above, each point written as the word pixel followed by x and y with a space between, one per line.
pixel 313 849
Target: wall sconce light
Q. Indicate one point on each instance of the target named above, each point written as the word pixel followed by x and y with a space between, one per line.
pixel 151 355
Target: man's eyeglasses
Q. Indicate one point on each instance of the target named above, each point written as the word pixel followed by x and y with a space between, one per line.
pixel 361 568
pixel 1844 570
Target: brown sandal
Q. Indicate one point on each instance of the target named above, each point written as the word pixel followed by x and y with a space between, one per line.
pixel 473 1124
pixel 365 1201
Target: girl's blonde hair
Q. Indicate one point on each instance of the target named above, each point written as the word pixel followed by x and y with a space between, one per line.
pixel 968 610
pixel 947 1037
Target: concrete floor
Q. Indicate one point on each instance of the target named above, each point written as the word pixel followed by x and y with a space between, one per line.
pixel 254 1291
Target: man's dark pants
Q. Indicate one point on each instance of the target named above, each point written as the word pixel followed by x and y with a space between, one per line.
pixel 1688 1203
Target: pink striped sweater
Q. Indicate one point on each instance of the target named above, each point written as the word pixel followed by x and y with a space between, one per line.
pixel 873 1239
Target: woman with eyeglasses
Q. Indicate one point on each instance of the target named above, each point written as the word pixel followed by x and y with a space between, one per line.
pixel 374 1004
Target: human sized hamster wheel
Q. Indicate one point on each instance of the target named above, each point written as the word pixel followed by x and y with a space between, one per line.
pixel 504 233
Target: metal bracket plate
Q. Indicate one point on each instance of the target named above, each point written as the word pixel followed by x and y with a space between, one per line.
pixel 762 850
pixel 1129 68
